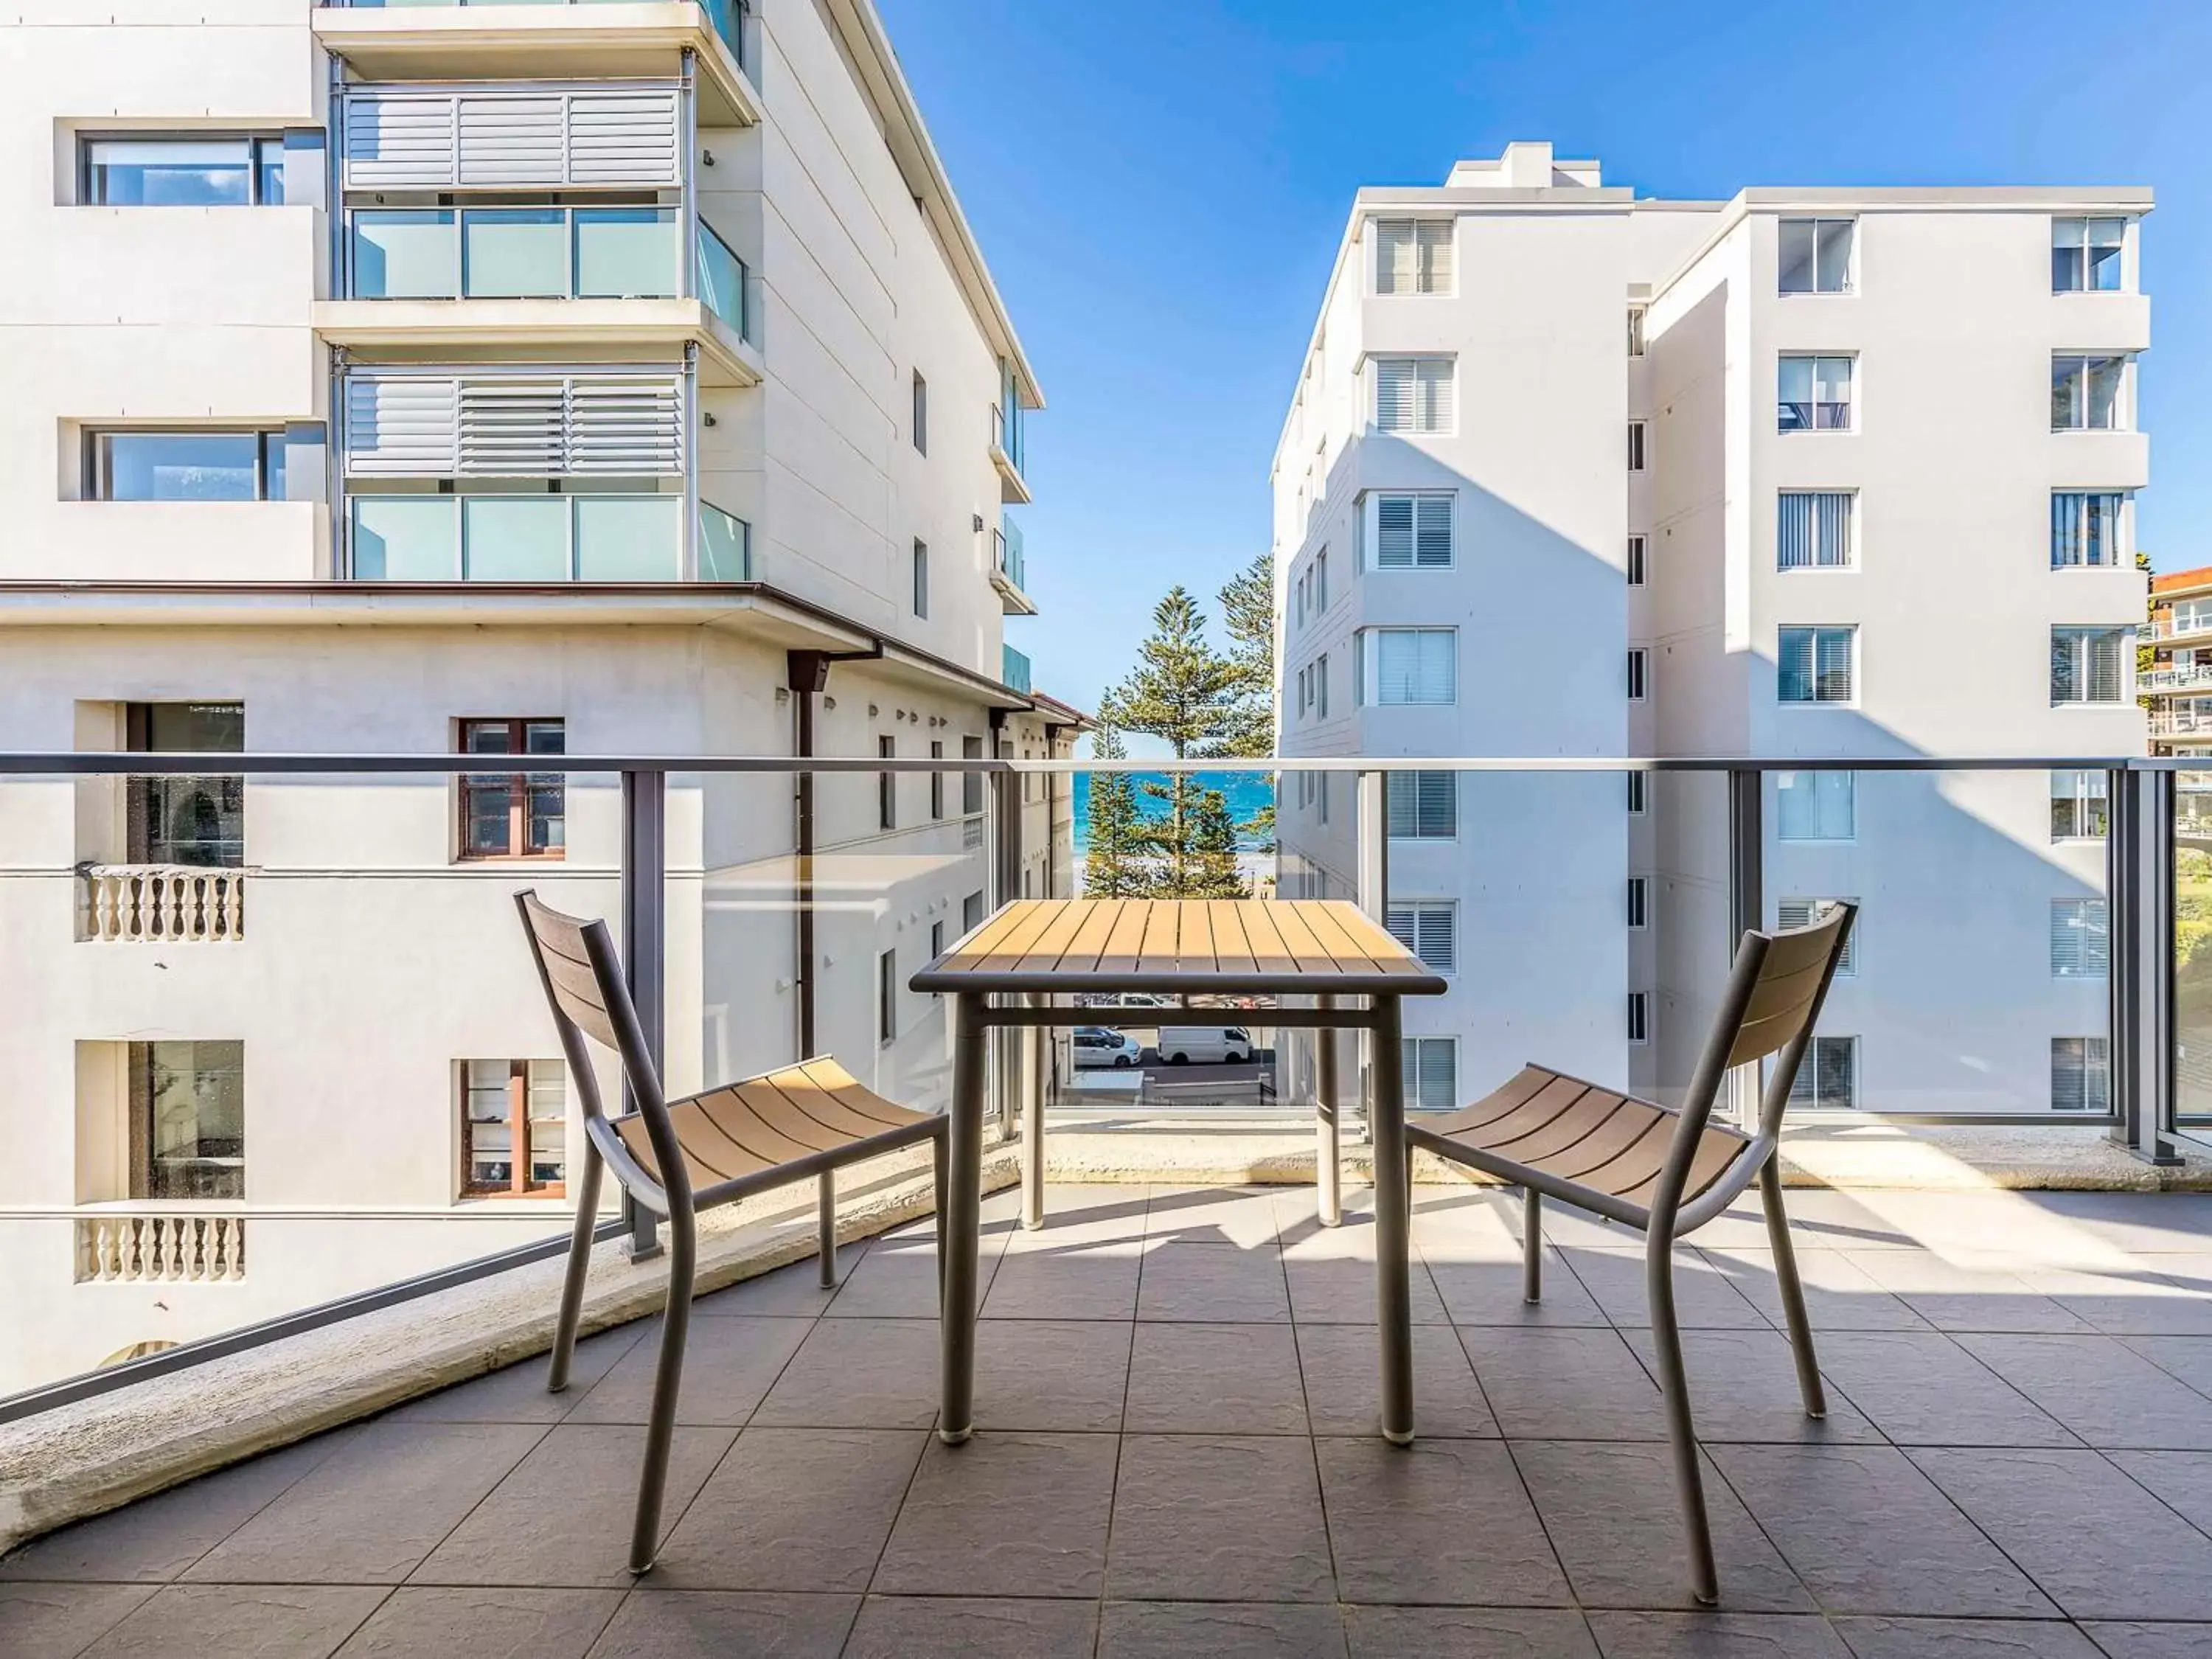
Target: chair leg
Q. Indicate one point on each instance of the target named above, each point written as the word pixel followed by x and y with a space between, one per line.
pixel 1681 1433
pixel 938 1151
pixel 826 1227
pixel 1532 1245
pixel 667 1382
pixel 1793 1291
pixel 580 1263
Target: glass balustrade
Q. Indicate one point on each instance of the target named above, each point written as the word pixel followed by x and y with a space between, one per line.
pixel 536 254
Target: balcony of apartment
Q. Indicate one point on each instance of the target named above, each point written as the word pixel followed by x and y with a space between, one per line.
pixel 2178 625
pixel 537 39
pixel 1009 570
pixel 1008 450
pixel 1016 669
pixel 2186 677
pixel 1176 1392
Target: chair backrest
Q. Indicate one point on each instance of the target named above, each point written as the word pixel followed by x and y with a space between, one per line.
pixel 1772 1003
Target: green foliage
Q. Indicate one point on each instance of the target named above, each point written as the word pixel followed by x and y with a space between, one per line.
pixel 1182 690
pixel 1116 862
pixel 1211 870
pixel 1247 617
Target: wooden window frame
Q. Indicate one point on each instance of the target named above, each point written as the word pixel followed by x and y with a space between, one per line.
pixel 518 1184
pixel 518 787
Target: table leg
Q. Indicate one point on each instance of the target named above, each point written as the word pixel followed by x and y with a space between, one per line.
pixel 963 1202
pixel 1393 1198
pixel 1034 1041
pixel 1328 1191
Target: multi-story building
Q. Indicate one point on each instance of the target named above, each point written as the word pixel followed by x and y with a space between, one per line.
pixel 2178 683
pixel 613 379
pixel 1837 472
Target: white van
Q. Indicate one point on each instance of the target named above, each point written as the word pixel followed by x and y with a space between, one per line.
pixel 1179 1045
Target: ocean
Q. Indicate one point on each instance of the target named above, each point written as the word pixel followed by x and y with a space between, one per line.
pixel 1247 792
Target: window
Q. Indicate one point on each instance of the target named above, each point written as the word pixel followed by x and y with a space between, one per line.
pixel 1413 532
pixel 1413 256
pixel 185 819
pixel 2089 664
pixel 1412 665
pixel 2088 394
pixel 887 997
pixel 1427 929
pixel 1637 782
pixel 203 171
pixel 2081 1074
pixel 1813 531
pixel 2087 528
pixel 1429 1068
pixel 185 467
pixel 2080 943
pixel 1636 445
pixel 971 783
pixel 922 578
pixel 1320 581
pixel 1320 797
pixel 1815 665
pixel 1815 805
pixel 936 940
pixel 972 913
pixel 1421 806
pixel 1636 556
pixel 936 783
pixel 1639 673
pixel 1636 330
pixel 886 786
pixel 2080 805
pixel 1639 1016
pixel 187 1120
pixel 921 421
pixel 1827 1078
pixel 1413 394
pixel 1815 256
pixel 510 1107
pixel 1640 901
pixel 2085 255
pixel 1320 686
pixel 1813 394
pixel 1804 912
pixel 514 815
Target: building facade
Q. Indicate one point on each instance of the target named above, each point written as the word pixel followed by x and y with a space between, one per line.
pixel 2177 684
pixel 1818 473
pixel 619 379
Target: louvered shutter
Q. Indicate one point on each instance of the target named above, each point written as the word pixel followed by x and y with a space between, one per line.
pixel 511 427
pixel 2079 946
pixel 1433 532
pixel 1428 1068
pixel 396 141
pixel 2105 672
pixel 1423 805
pixel 1394 532
pixel 402 426
pixel 1433 406
pixel 1394 394
pixel 1833 511
pixel 633 425
pixel 1804 912
pixel 1793 534
pixel 1434 237
pixel 1434 943
pixel 623 138
pixel 510 141
pixel 2069 1085
pixel 1393 256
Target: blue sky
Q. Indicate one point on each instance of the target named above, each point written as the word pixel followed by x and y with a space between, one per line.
pixel 1159 186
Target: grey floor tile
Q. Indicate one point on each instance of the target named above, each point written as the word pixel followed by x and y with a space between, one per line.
pixel 795 1291
pixel 2103 1391
pixel 1059 1373
pixel 1922 1389
pixel 899 1281
pixel 729 1365
pixel 1828 1218
pixel 1839 1294
pixel 2125 1640
pixel 1007 1514
pixel 1962 1296
pixel 1083 1281
pixel 859 1374
pixel 1220 1630
pixel 517 1393
pixel 1476 1291
pixel 1076 1215
pixel 563 1517
pixel 2141 1299
pixel 2181 1481
pixel 1564 1384
pixel 2186 1357
pixel 1245 1217
pixel 1214 1283
pixel 1467 1633
pixel 1342 1366
pixel 2141 1223
pixel 1964 1638
pixel 722 1624
pixel 240 1621
pixel 1743 1386
pixel 372 1511
pixel 484 1623
pixel 1703 1297
pixel 59 1621
pixel 1202 1518
pixel 972 1628
pixel 157 1538
pixel 1715 1636
pixel 2096 1543
pixel 1215 1379
pixel 792 1510
pixel 1614 1516
pixel 1341 1291
pixel 1405 1523
pixel 1868 1533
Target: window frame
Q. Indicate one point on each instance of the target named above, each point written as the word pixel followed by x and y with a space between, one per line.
pixel 1415 361
pixel 1414 909
pixel 1640 1019
pixel 2119 542
pixel 1639 344
pixel 1851 699
pixel 2095 917
pixel 920 579
pixel 937 781
pixel 1415 223
pixel 1639 903
pixel 1847 964
pixel 1369 657
pixel 2084 671
pixel 2123 399
pixel 1639 557
pixel 1639 446
pixel 519 1150
pixel 918 414
pixel 1817 542
pixel 1852 793
pixel 887 997
pixel 1406 824
pixel 886 784
pixel 1639 673
pixel 2095 1071
pixel 1810 1071
pixel 2089 799
pixel 1639 796
pixel 1370 526
pixel 1410 1047
pixel 254 138
pixel 1850 255
pixel 1849 404
pixel 97 483
pixel 2127 222
pixel 516 783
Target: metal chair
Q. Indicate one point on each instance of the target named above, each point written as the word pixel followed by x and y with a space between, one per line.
pixel 678 1158
pixel 1667 1172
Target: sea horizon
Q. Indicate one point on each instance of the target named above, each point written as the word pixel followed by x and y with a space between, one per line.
pixel 1247 792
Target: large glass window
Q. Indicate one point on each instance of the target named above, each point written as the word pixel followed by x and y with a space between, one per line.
pixel 188 1120
pixel 2088 394
pixel 204 170
pixel 1812 530
pixel 186 819
pixel 2086 528
pixel 185 466
pixel 1815 256
pixel 1815 805
pixel 513 1129
pixel 2085 255
pixel 1816 665
pixel 2089 664
pixel 513 253
pixel 1813 394
pixel 513 814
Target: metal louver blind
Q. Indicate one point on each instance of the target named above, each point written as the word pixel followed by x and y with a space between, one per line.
pixel 1804 912
pixel 511 427
pixel 1413 532
pixel 1434 255
pixel 1393 256
pixel 402 428
pixel 1426 930
pixel 492 139
pixel 1422 806
pixel 622 137
pixel 628 425
pixel 2081 1075
pixel 507 141
pixel 1394 394
pixel 403 425
pixel 1429 1066
pixel 395 142
pixel 2079 946
pixel 1414 665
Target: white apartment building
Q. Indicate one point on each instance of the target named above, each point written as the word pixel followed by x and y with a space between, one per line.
pixel 617 378
pixel 1832 472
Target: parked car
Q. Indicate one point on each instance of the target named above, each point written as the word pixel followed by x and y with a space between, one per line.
pixel 1181 1044
pixel 1095 1045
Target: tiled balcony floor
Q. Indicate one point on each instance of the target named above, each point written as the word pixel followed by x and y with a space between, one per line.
pixel 1176 1455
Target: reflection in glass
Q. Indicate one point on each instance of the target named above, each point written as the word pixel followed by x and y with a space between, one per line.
pixel 625 252
pixel 177 466
pixel 405 253
pixel 169 172
pixel 188 1120
pixel 405 539
pixel 514 253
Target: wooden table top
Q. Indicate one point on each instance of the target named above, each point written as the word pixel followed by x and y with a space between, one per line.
pixel 1256 946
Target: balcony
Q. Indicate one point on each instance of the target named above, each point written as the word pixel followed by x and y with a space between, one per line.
pixel 163 903
pixel 146 1245
pixel 1006 454
pixel 1016 670
pixel 1009 572
pixel 2193 626
pixel 2157 681
pixel 597 537
pixel 2181 724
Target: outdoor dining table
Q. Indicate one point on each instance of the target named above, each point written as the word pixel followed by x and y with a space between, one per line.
pixel 1034 950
